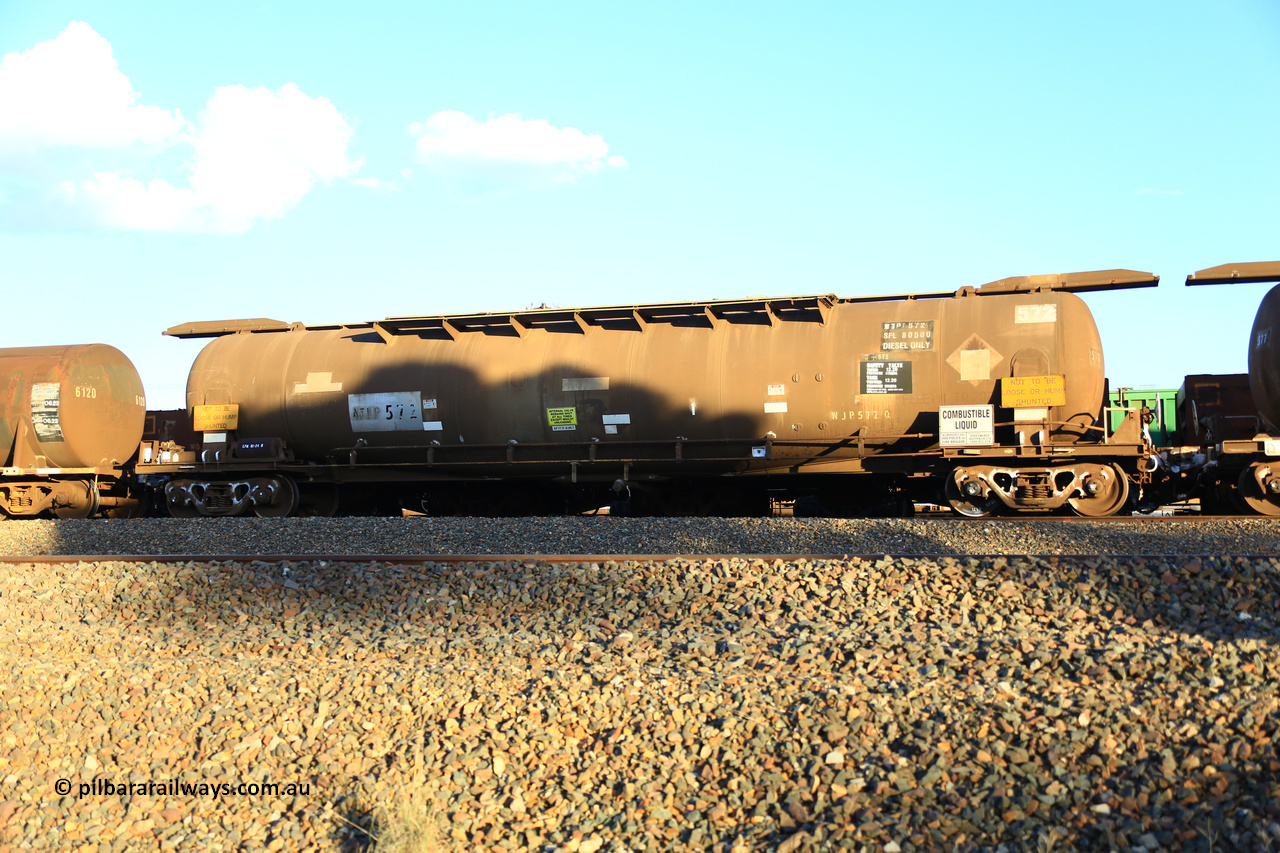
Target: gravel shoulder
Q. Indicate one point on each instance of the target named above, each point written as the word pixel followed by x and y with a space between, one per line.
pixel 605 535
pixel 950 703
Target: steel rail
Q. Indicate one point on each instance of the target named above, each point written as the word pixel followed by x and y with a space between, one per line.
pixel 415 559
pixel 422 559
pixel 1178 518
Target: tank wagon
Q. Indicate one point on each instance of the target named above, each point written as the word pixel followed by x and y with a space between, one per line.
pixel 989 398
pixel 71 422
pixel 1243 466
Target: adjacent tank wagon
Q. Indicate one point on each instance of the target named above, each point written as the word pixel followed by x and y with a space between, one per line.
pixel 990 398
pixel 72 417
pixel 1244 469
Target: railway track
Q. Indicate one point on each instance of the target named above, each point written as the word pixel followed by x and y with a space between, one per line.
pixel 575 539
pixel 550 559
pixel 414 559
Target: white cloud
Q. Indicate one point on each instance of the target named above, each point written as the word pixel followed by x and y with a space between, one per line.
pixel 253 155
pixel 128 203
pixel 69 92
pixel 259 152
pixel 375 184
pixel 508 152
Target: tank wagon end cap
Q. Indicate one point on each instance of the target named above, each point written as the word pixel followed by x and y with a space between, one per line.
pixel 1251 273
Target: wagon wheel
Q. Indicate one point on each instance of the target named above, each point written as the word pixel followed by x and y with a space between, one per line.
pixel 283 503
pixel 979 506
pixel 83 508
pixel 1253 495
pixel 1106 490
pixel 1233 500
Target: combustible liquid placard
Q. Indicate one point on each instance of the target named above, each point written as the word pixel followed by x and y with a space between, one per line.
pixel 966 426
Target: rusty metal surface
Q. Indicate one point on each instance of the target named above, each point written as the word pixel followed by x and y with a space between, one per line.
pixel 1254 272
pixel 813 369
pixel 419 559
pixel 1215 408
pixel 170 425
pixel 69 407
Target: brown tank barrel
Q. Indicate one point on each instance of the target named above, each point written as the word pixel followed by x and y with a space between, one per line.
pixel 69 407
pixel 1264 360
pixel 807 368
pixel 1264 354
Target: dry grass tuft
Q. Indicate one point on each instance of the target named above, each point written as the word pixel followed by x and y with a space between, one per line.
pixel 407 826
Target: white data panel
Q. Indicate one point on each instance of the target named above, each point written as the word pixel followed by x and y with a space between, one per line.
pixel 387 412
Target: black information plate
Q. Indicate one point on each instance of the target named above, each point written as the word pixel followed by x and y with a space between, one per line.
pixel 884 377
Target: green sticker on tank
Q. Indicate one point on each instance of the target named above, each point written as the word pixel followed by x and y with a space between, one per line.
pixel 562 420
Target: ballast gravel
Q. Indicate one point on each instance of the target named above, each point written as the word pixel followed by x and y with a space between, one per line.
pixel 877 704
pixel 648 536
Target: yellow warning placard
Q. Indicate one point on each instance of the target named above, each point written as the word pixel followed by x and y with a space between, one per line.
pixel 217 417
pixel 562 420
pixel 1033 392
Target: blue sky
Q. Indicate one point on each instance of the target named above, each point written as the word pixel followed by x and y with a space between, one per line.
pixel 164 163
